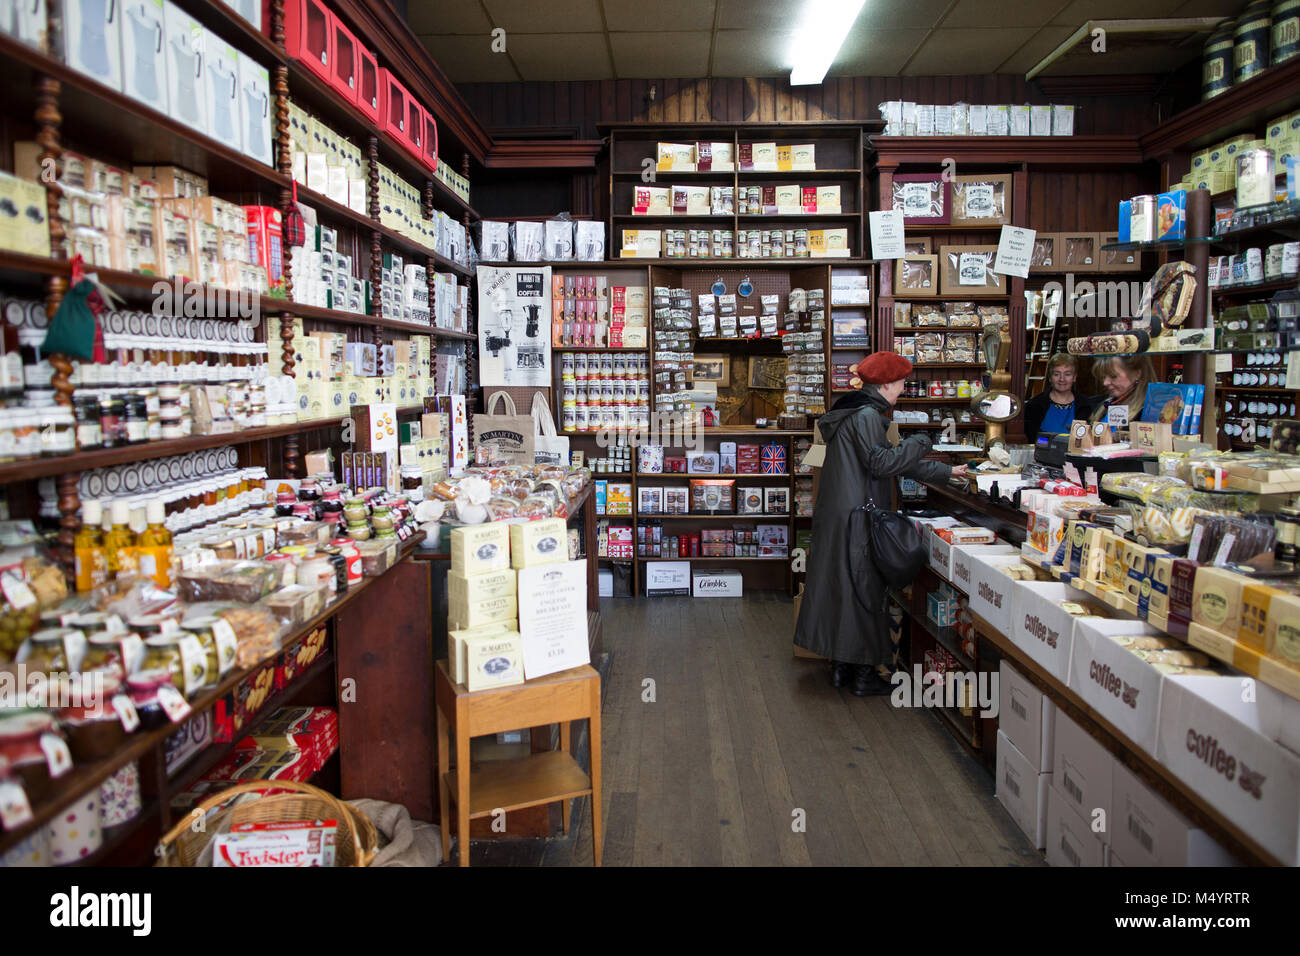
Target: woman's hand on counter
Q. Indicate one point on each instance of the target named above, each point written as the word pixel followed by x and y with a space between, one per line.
pixel 959 471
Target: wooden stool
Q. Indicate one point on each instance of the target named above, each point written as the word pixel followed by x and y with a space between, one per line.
pixel 548 777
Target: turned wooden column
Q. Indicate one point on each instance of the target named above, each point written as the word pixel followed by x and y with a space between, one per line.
pixel 277 23
pixel 430 266
pixel 471 322
pixel 376 249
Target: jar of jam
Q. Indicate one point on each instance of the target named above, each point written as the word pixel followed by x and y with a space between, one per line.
pixel 936 389
pixel 284 503
pixel 332 503
pixel 412 478
pixel 20 744
pixel 309 490
pixel 306 510
pixel 93 727
pixel 136 419
pixel 181 656
pixel 112 421
pixel 114 654
pixel 143 689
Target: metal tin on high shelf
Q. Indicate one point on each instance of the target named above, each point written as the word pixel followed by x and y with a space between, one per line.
pixel 1216 65
pixel 1286 31
pixel 1251 40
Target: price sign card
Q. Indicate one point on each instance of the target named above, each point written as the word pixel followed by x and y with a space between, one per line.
pixel 887 233
pixel 553 617
pixel 1014 248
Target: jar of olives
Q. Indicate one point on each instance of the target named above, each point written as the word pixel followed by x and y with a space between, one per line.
pixel 16 625
pixel 182 656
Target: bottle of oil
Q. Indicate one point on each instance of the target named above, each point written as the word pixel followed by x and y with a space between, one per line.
pixel 154 546
pixel 120 541
pixel 88 548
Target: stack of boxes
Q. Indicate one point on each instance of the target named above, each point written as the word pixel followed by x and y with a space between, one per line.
pixel 424 446
pixel 453 180
pixel 326 162
pixel 1215 168
pixel 331 374
pixel 490 565
pixel 323 275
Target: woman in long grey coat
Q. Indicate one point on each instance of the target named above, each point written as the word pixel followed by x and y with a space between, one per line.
pixel 842 618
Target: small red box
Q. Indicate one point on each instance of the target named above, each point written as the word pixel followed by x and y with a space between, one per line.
pixel 266 242
pixel 309 35
pixel 430 143
pixel 344 63
pixel 233 712
pixel 299 656
pixel 368 94
pixel 393 98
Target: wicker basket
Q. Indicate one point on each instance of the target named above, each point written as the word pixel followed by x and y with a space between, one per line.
pixel 356 839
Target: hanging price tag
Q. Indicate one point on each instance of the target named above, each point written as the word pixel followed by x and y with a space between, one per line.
pixel 57 754
pixel 169 626
pixel 227 645
pixel 126 712
pixel 14 808
pixel 1194 546
pixel 1225 549
pixel 132 652
pixel 113 624
pixel 16 591
pixel 172 703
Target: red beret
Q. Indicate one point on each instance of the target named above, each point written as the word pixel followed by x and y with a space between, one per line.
pixel 881 368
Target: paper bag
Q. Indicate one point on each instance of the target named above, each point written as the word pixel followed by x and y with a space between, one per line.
pixel 511 432
pixel 548 448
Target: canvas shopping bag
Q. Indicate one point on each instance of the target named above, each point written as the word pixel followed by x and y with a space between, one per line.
pixel 512 433
pixel 549 448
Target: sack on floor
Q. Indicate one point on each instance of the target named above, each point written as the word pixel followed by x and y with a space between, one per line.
pixel 402 841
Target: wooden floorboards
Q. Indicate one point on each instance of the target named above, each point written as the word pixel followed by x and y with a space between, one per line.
pixel 737 754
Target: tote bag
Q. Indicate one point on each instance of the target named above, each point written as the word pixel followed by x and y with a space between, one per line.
pixel 511 432
pixel 549 448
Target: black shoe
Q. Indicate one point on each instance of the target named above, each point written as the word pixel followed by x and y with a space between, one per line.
pixel 867 683
pixel 841 673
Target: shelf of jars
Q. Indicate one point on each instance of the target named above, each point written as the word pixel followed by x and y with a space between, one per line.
pixel 116 748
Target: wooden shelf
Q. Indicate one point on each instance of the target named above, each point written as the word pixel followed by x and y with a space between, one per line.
pixel 1273 285
pixel 977 151
pixel 1252 389
pixel 949 297
pixel 672 217
pixel 679 474
pixel 595 348
pixel 735 517
pixel 741 263
pixel 95 114
pixel 780 559
pixel 318 98
pixel 788 216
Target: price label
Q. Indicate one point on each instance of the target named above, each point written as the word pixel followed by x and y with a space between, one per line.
pixel 15 810
pixel 57 754
pixel 126 712
pixel 1194 546
pixel 173 704
pixel 1225 548
pixel 16 591
pixel 113 624
pixel 169 626
pixel 227 644
pixel 132 652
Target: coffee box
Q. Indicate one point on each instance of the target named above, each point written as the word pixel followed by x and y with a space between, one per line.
pixel 476 549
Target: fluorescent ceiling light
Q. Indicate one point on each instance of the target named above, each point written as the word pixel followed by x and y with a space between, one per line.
pixel 821 33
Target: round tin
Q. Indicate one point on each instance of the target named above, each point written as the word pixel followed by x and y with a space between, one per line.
pixel 1216 64
pixel 1286 31
pixel 1251 40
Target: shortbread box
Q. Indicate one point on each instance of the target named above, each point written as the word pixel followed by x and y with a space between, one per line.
pixel 467 614
pixel 538 542
pixel 494 661
pixel 476 549
pixel 456 645
pixel 480 587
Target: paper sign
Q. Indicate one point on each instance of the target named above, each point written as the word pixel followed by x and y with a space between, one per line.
pixel 1015 245
pixel 887 233
pixel 1117 416
pixel 553 617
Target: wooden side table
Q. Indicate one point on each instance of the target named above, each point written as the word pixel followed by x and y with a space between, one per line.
pixel 548 777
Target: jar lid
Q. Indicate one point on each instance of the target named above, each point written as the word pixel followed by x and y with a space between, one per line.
pixel 26 723
pixel 148 680
pixel 50 635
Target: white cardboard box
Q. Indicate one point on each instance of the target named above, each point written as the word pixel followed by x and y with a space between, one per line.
pixel 941 553
pixel 221 90
pixel 1147 831
pixel 1225 748
pixel 1082 770
pixel 144 54
pixel 1118 685
pixel 1022 789
pixel 1042 628
pixel 605 582
pixel 92 39
pixel 1026 716
pixel 717 583
pixel 255 106
pixel 992 593
pixel 186 96
pixel 962 555
pixel 1070 840
pixel 668 577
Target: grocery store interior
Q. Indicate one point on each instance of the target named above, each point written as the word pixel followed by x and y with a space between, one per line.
pixel 706 433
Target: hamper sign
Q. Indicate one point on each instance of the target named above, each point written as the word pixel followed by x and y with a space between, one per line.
pixel 514 326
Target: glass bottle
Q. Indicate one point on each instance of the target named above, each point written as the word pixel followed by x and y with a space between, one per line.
pixel 154 546
pixel 120 541
pixel 91 558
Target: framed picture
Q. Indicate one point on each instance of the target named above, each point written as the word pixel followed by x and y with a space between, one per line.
pixel 981 200
pixel 712 368
pixel 923 198
pixel 767 371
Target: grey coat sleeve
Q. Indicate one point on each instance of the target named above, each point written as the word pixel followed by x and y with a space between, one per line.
pixel 866 432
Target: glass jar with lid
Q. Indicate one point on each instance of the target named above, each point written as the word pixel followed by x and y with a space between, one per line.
pixel 20 745
pixel 85 410
pixel 143 688
pixel 93 728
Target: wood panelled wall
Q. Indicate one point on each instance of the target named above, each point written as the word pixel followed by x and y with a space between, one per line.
pixel 1060 200
pixel 581 105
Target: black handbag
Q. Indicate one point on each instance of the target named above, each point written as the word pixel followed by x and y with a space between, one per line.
pixel 894 545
